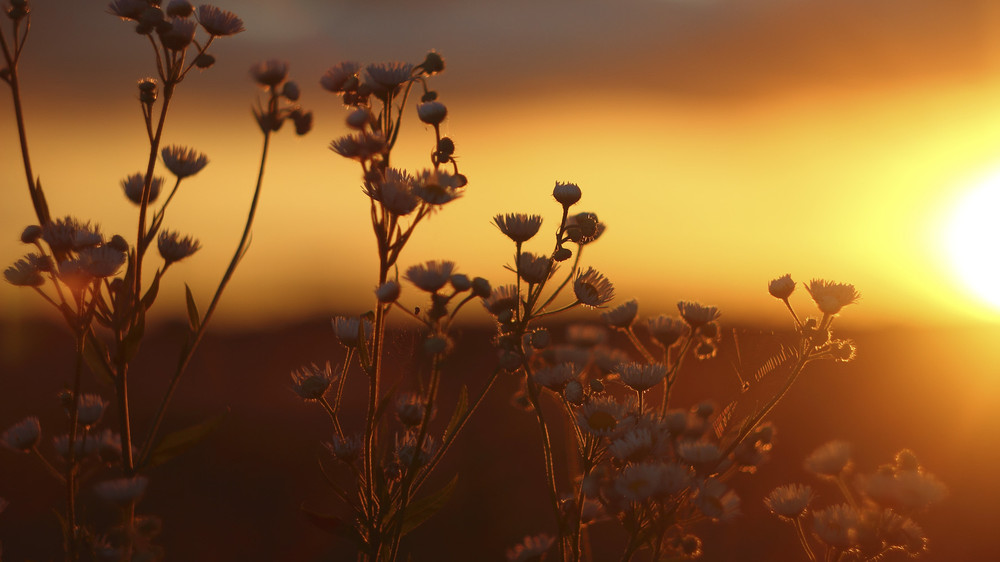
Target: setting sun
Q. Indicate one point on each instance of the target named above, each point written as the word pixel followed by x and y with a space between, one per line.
pixel 972 237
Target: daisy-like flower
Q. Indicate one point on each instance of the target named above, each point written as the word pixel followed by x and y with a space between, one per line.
pixel 348 330
pixel 387 292
pixel 789 501
pixel 638 482
pixel 531 549
pixel 384 78
pixel 74 275
pixel 633 446
pixel 782 287
pixel 24 273
pixel 270 72
pixel 81 447
pixel 174 248
pixel 837 525
pixel 430 276
pixel 101 261
pixel 128 9
pixel 62 235
pixel 122 491
pixel 533 268
pixel 601 416
pixel 584 228
pixel 555 378
pixel 343 76
pixel 697 315
pixel 311 382
pixel 179 9
pixel 622 315
pixel 432 112
pixel 667 329
pixel 567 194
pixel 23 435
pixel 219 23
pixel 183 161
pixel 179 35
pixel 640 377
pixel 133 184
pixel 90 409
pixel 438 187
pixel 346 449
pixel 519 227
pixel 593 289
pixel 830 459
pixel 410 408
pixel 395 192
pixel 501 299
pixel 406 447
pixel 830 297
pixel 907 490
pixel 717 501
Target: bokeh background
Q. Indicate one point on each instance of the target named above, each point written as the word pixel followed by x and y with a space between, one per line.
pixel 724 143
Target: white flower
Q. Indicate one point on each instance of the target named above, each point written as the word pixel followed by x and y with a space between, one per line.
pixel 174 248
pixel 101 261
pixel 219 23
pixel 622 315
pixel 312 382
pixel 345 450
pixel 519 227
pixel 23 435
pixel 830 459
pixel 697 315
pixel 90 409
pixel 600 416
pixel 632 446
pixel 555 378
pixel 183 161
pixel 789 501
pixel 698 453
pixel 430 276
pixel 641 377
pixel 410 408
pixel 24 273
pixel 830 297
pixel 533 268
pixel 432 112
pixel 270 72
pixel 133 186
pixel 717 501
pixel 348 330
pixel 837 525
pixel 638 482
pixel 341 77
pixel 782 287
pixel 593 289
pixel 407 446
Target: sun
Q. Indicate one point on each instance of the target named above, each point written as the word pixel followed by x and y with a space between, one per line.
pixel 973 240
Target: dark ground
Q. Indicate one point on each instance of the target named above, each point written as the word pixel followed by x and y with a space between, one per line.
pixel 236 497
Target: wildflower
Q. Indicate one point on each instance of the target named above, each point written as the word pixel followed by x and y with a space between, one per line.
pixel 831 297
pixel 481 287
pixel 716 501
pixel 430 276
pixel 291 91
pixel 219 23
pixel 634 445
pixel 830 459
pixel 519 227
pixel 573 393
pixel 31 234
pixel 81 446
pixel 410 409
pixel 911 489
pixel 179 9
pixel 837 525
pixel 433 63
pixel 311 382
pixel 622 315
pixel 640 377
pixel 101 261
pixel 183 161
pixel 346 449
pixel 74 275
pixel 359 118
pixel 593 289
pixel 600 416
pixel 567 194
pixel 531 549
pixel 395 192
pixel 789 501
pixel 133 186
pixel 583 228
pixel 384 78
pixel 666 329
pixel 843 351
pixel 348 330
pixel 638 482
pixel 782 287
pixel 128 9
pixel 178 35
pixel 438 187
pixel 341 77
pixel 66 234
pixel 90 409
pixel 407 447
pixel 555 378
pixel 432 112
pixel 533 268
pixel 387 292
pixel 460 282
pixel 697 315
pixel 174 248
pixel 503 298
pixel 24 273
pixel 122 491
pixel 23 435
pixel 270 72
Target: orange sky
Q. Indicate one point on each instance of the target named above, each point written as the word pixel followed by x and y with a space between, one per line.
pixel 723 143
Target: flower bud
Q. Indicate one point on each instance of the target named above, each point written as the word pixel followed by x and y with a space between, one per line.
pixel 303 121
pixel 118 242
pixel 31 234
pixel 446 147
pixel 481 288
pixel 433 63
pixel 387 292
pixel 460 282
pixel 566 194
pixel 429 95
pixel 541 338
pixel 432 112
pixel 204 61
pixel 291 91
pixel 562 254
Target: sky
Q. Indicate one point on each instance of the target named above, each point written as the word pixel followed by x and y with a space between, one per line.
pixel 724 143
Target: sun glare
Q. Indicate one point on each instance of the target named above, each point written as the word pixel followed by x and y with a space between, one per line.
pixel 973 240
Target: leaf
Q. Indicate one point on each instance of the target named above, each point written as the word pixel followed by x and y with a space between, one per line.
pixel 461 408
pixel 97 359
pixel 194 319
pixel 131 341
pixel 335 526
pixel 179 441
pixel 422 509
pixel 152 291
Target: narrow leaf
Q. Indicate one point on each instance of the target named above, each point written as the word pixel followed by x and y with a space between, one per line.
pixel 335 526
pixel 96 357
pixel 179 441
pixel 461 408
pixel 152 291
pixel 422 509
pixel 194 319
pixel 131 341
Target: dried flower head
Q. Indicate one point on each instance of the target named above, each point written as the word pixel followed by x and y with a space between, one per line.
pixel 519 227
pixel 174 248
pixel 133 185
pixel 219 23
pixel 183 161
pixel 430 276
pixel 269 73
pixel 311 382
pixel 23 435
pixel 830 297
pixel 593 289
pixel 789 501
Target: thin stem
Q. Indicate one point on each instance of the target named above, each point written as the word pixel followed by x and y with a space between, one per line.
pixel 804 540
pixel 550 475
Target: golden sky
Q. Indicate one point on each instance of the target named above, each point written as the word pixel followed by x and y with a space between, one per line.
pixel 723 142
